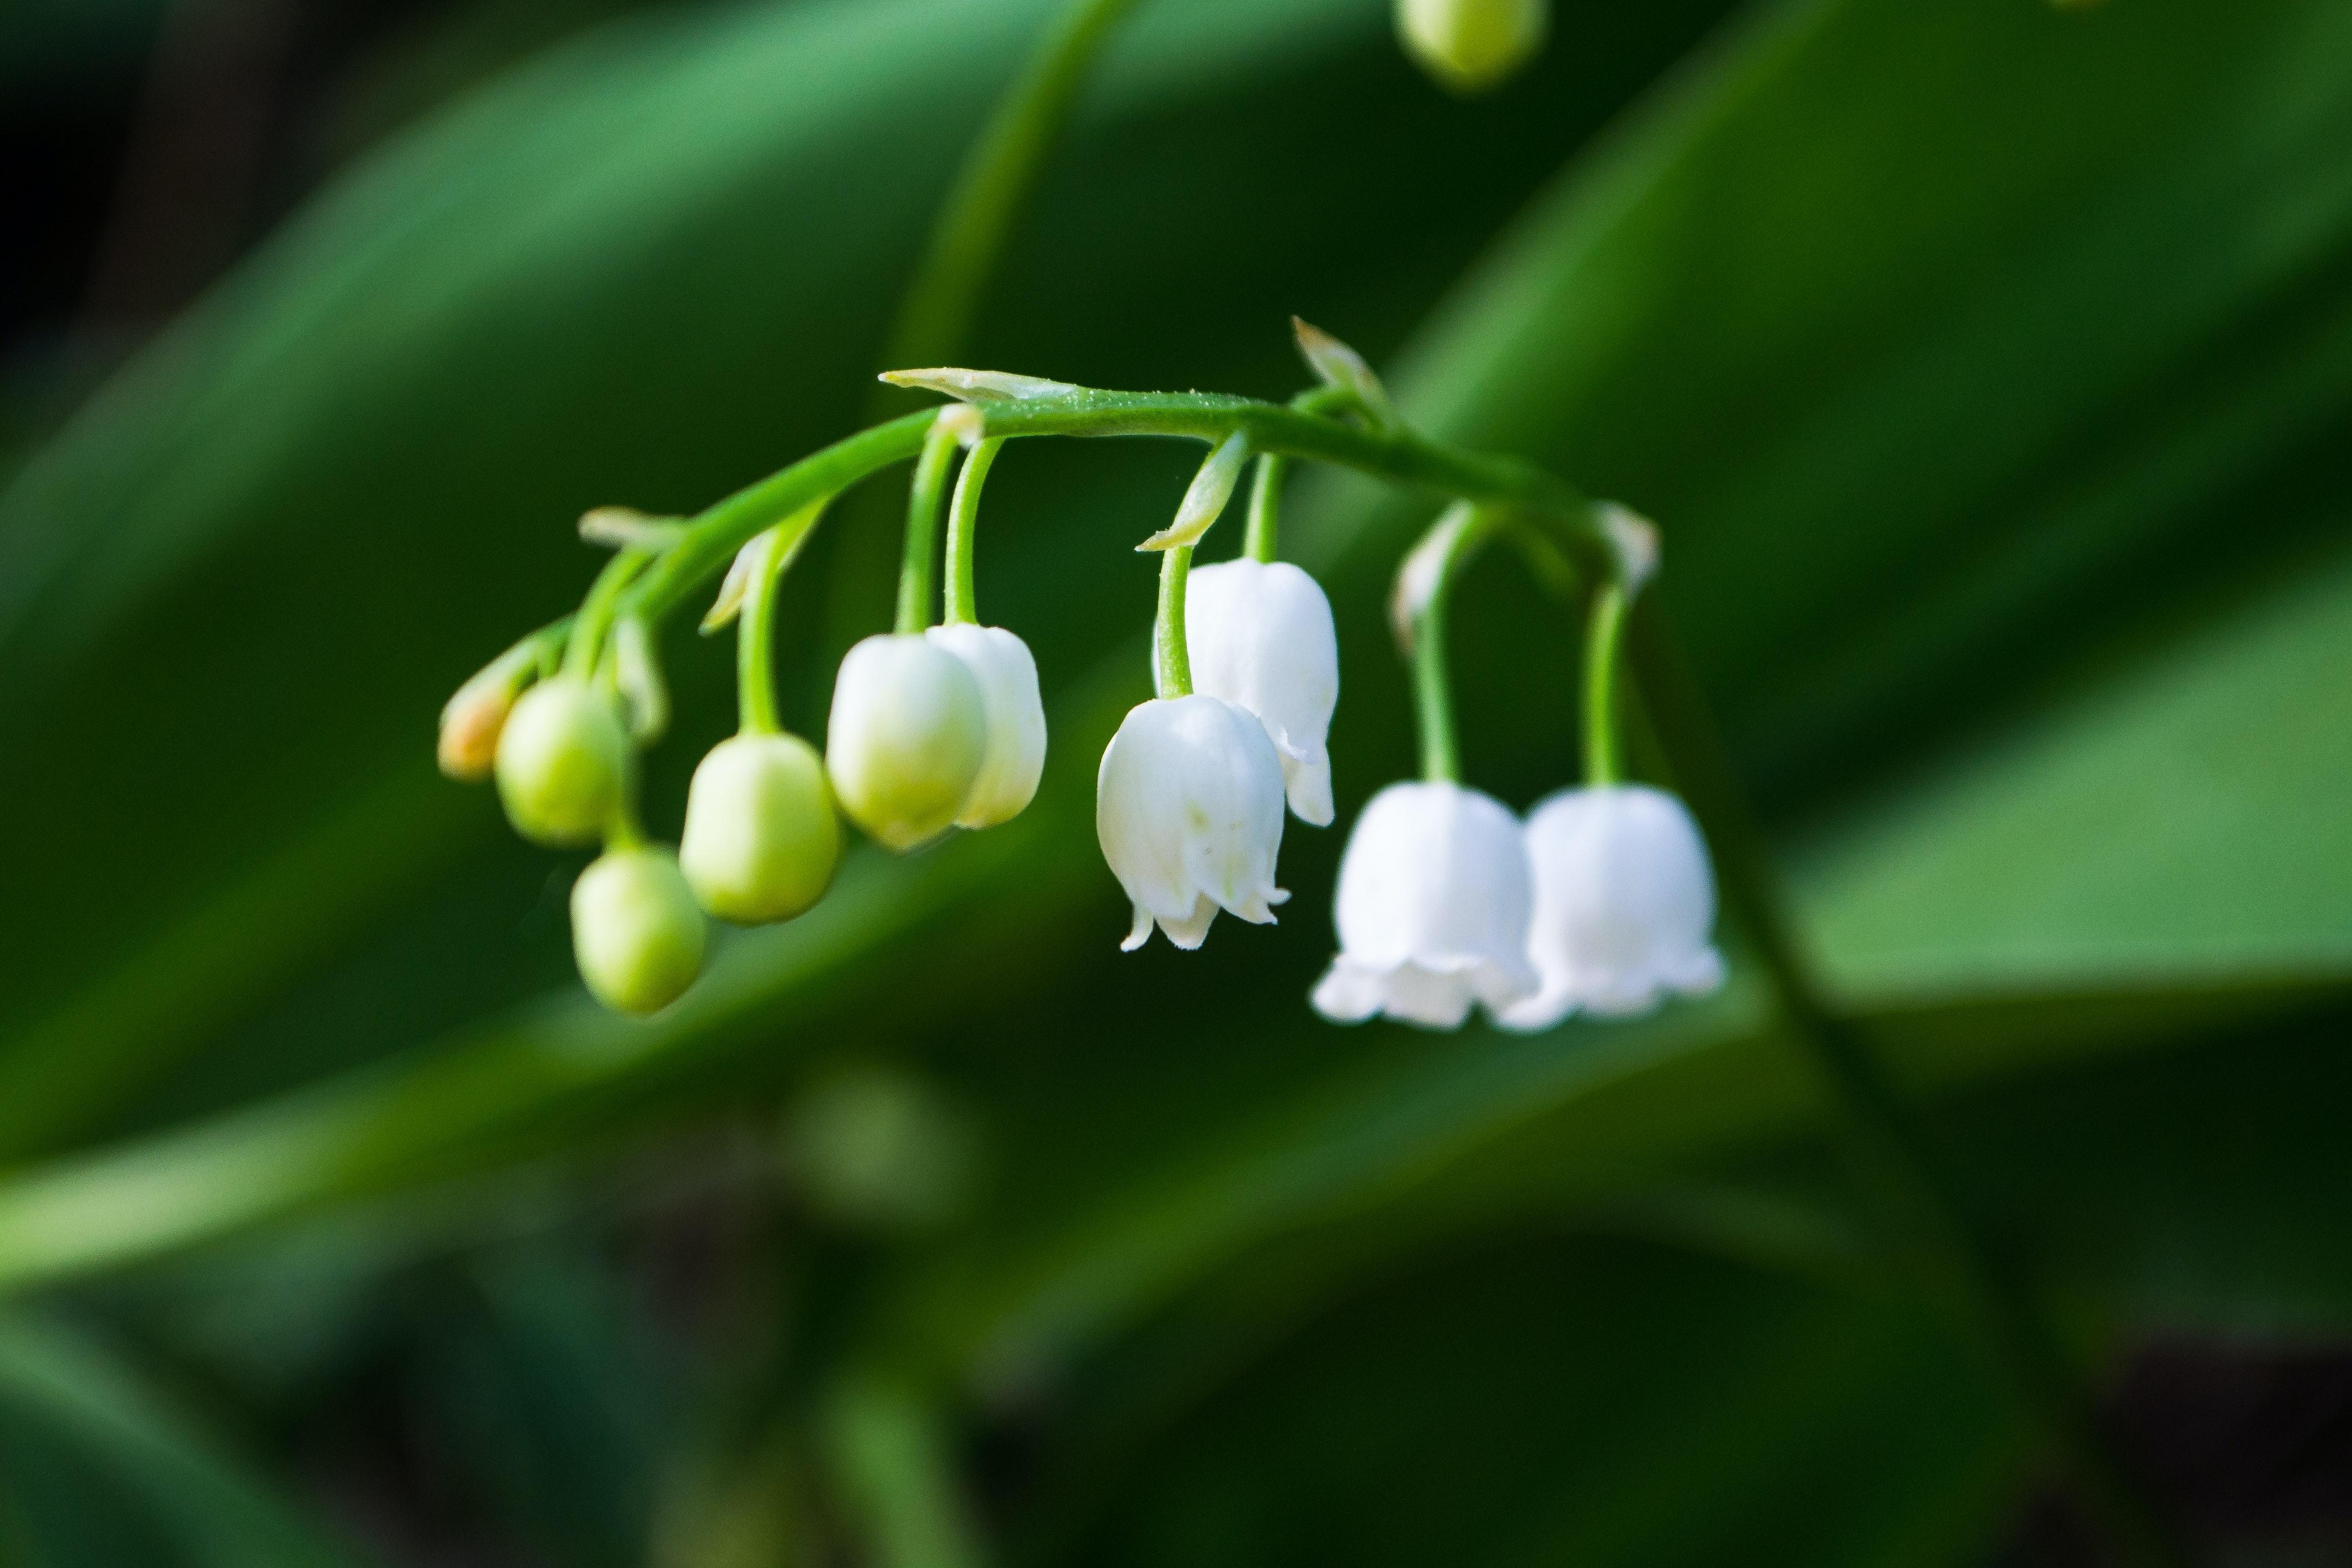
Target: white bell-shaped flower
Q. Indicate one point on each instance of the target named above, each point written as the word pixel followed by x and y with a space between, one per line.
pixel 1624 905
pixel 1188 807
pixel 1432 909
pixel 1260 634
pixel 906 738
pixel 1015 757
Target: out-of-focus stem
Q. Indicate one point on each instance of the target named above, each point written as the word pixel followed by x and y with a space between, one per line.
pixel 994 183
pixel 1914 1204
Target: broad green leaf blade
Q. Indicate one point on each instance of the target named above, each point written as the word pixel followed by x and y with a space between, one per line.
pixel 2184 820
pixel 1525 1398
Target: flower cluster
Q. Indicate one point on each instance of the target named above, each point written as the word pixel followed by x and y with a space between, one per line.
pixel 1602 902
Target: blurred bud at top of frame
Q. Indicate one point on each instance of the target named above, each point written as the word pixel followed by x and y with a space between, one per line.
pixel 1472 46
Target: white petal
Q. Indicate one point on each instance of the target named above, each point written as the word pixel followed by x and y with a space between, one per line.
pixel 1260 634
pixel 904 739
pixel 1432 909
pixel 1015 759
pixel 1188 809
pixel 1624 904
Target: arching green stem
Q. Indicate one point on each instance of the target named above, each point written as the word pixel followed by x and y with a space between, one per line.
pixel 1171 661
pixel 919 571
pixel 963 528
pixel 1424 594
pixel 1604 637
pixel 1266 507
pixel 1399 456
pixel 755 639
pixel 596 610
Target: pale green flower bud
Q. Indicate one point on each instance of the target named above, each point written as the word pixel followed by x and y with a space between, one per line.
pixel 906 739
pixel 564 763
pixel 1470 45
pixel 760 838
pixel 635 931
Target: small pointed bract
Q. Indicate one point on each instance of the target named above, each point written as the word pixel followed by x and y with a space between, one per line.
pixel 1342 366
pixel 981 386
pixel 1205 498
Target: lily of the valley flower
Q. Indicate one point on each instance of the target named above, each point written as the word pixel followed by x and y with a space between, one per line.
pixel 635 931
pixel 761 840
pixel 1624 903
pixel 1014 714
pixel 564 763
pixel 906 739
pixel 1260 635
pixel 1435 895
pixel 1188 807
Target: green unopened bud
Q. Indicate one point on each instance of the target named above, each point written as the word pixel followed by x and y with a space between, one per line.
pixel 562 764
pixel 635 931
pixel 760 838
pixel 1470 45
pixel 906 739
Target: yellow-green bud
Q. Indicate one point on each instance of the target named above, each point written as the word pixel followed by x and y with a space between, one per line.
pixel 1470 45
pixel 906 739
pixel 470 726
pixel 564 763
pixel 760 837
pixel 637 934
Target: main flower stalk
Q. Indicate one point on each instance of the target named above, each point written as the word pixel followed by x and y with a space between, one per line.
pixel 710 540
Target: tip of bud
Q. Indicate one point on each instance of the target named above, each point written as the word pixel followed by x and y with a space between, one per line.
pixel 476 714
pixel 470 724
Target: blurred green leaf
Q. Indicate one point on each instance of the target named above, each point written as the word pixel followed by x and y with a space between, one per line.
pixel 98 1470
pixel 1528 1397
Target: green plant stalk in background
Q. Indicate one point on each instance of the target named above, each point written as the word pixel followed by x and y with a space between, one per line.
pixel 1900 1178
pixel 994 182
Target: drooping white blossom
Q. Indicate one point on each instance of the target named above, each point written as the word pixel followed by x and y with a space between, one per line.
pixel 1188 808
pixel 1624 905
pixel 906 738
pixel 1435 897
pixel 1260 635
pixel 1015 715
